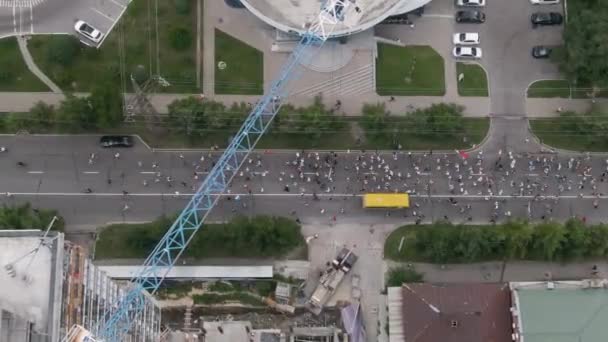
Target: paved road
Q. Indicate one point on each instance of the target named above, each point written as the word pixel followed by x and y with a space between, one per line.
pixel 59 169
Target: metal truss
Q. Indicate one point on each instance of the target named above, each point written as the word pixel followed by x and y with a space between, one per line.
pixel 154 269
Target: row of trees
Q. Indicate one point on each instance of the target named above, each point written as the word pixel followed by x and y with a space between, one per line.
pixel 260 236
pixel 439 118
pixel 443 242
pixel 101 109
pixel 196 118
pixel 25 217
pixel 193 117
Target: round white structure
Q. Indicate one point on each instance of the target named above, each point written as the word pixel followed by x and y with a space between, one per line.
pixel 292 16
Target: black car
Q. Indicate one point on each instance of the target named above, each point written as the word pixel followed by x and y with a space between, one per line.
pixel 470 16
pixel 540 51
pixel 116 141
pixel 546 18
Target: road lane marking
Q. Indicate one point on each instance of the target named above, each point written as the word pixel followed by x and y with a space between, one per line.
pixel 14 19
pixel 35 172
pixel 438 16
pixel 118 4
pixel 283 194
pixel 147 172
pixel 90 172
pixel 31 19
pixel 102 14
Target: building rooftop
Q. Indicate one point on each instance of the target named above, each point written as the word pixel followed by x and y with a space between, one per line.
pixel 227 331
pixel 30 299
pixel 562 312
pixel 296 15
pixel 456 312
pixel 195 272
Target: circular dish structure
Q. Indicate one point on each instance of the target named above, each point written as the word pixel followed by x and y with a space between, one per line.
pixel 292 16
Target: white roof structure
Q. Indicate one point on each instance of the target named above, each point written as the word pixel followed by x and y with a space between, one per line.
pixel 31 285
pixel 196 272
pixel 293 16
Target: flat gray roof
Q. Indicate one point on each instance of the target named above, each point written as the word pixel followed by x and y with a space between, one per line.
pixel 196 272
pixel 295 15
pixel 30 293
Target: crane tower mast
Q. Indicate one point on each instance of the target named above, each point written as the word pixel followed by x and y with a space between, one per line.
pixel 118 319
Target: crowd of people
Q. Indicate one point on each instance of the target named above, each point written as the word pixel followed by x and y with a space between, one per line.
pixel 458 180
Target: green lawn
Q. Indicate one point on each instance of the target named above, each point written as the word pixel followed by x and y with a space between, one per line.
pixel 549 88
pixel 259 237
pixel 14 75
pixel 140 45
pixel 475 81
pixel 409 71
pixel 242 70
pixel 552 132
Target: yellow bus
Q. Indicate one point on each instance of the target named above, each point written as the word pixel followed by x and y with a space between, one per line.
pixel 386 200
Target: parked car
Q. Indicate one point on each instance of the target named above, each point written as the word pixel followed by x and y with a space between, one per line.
pixel 116 141
pixel 471 3
pixel 544 2
pixel 88 31
pixel 466 38
pixel 546 19
pixel 540 51
pixel 470 16
pixel 467 52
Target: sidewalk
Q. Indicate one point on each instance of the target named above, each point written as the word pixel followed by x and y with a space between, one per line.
pixel 543 108
pixel 31 65
pixel 513 271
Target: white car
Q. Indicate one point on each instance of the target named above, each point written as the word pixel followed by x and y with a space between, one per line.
pixel 466 38
pixel 88 31
pixel 467 52
pixel 471 3
pixel 544 2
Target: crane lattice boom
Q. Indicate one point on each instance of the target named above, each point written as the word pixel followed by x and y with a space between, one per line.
pixel 118 320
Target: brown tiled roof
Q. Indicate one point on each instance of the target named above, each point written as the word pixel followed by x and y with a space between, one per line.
pixel 480 312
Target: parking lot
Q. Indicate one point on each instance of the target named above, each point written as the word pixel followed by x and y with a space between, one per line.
pixel 57 16
pixel 507 38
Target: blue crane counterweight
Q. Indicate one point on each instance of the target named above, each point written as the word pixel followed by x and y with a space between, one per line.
pixel 118 319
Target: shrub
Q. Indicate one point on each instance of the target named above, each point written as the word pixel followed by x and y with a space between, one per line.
pixel 180 38
pixel 182 7
pixel 63 50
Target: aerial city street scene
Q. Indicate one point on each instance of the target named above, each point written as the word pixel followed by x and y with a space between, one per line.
pixel 303 171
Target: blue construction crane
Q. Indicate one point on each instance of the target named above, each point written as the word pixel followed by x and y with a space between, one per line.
pixel 118 319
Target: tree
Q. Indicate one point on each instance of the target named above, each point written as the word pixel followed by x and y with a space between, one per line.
pixel 438 119
pixel 517 237
pixel 547 240
pixel 374 117
pixel 43 114
pixel 182 7
pixel 400 274
pixel 180 38
pixel 63 50
pixel 76 112
pixel 585 59
pixel 575 244
pixel 187 116
pixel 106 100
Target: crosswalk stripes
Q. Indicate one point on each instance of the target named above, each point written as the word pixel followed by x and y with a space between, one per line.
pixel 19 3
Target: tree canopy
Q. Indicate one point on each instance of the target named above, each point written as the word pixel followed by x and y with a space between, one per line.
pixel 516 240
pixel 585 57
